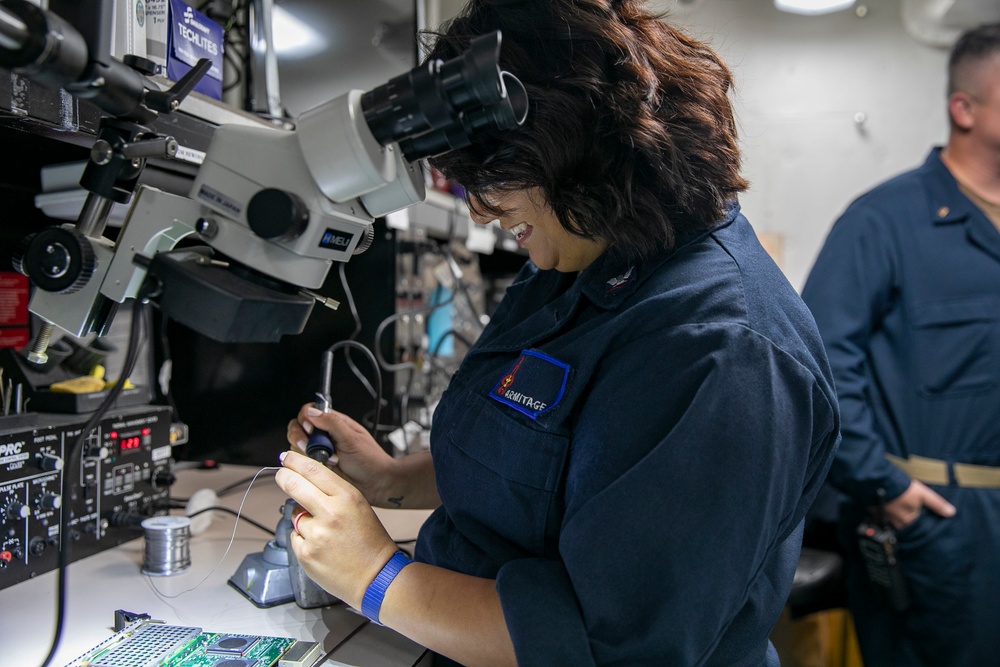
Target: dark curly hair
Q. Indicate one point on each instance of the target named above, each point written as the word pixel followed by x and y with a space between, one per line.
pixel 630 132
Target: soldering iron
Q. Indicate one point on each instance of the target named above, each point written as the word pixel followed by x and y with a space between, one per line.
pixel 319 445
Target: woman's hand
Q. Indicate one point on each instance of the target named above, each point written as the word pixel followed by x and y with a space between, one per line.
pixel 357 457
pixel 339 543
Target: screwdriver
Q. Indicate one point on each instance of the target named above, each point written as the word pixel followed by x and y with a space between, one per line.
pixel 320 446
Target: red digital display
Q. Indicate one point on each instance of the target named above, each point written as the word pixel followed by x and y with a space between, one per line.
pixel 130 444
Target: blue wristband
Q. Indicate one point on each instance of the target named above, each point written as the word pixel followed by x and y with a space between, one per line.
pixel 372 602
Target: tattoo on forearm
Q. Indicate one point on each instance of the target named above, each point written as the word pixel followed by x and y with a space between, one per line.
pixel 397 502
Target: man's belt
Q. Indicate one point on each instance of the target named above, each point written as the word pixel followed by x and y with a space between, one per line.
pixel 933 471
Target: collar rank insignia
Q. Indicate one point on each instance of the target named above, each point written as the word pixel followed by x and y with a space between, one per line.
pixel 618 282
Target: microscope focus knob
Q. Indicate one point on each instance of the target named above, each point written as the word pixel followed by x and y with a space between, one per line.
pixel 276 214
pixel 56 259
pixel 366 240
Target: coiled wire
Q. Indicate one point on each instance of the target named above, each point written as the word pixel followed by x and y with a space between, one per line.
pixel 168 545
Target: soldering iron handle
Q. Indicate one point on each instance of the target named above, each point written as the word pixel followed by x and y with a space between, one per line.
pixel 319 446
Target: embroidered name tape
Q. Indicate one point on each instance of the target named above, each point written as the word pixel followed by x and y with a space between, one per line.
pixel 533 385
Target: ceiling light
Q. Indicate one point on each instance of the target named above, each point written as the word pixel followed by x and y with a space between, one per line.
pixel 292 37
pixel 812 7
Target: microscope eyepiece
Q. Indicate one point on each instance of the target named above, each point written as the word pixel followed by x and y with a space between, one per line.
pixel 441 105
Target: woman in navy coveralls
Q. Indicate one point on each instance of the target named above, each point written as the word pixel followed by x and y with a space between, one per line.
pixel 622 463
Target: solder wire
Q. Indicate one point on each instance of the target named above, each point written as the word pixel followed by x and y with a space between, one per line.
pixel 232 539
pixel 167 548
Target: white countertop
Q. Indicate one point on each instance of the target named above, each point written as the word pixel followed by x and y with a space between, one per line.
pixel 200 596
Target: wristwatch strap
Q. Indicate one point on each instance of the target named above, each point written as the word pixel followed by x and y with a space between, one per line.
pixel 374 594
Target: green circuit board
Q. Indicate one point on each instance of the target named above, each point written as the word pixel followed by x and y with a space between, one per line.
pixel 151 644
pixel 211 649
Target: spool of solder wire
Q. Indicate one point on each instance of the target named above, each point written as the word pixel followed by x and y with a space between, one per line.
pixel 168 549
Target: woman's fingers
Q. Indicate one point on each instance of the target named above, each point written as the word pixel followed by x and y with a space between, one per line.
pixel 301 490
pixel 305 486
pixel 296 435
pixel 317 481
pixel 337 424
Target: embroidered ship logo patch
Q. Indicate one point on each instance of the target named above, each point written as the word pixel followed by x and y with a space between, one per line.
pixel 534 384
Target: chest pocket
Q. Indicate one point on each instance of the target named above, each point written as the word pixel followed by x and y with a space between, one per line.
pixel 503 475
pixel 955 343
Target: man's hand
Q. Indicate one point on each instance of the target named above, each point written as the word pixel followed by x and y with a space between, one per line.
pixel 905 509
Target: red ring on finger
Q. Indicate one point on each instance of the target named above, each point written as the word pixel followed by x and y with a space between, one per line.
pixel 295 521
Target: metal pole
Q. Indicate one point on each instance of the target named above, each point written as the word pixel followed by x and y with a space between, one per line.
pixel 94 215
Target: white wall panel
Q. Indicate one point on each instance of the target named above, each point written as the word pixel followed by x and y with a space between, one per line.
pixel 802 83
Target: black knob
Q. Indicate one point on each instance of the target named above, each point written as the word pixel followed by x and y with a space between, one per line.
pixel 48 501
pixel 274 214
pixel 17 510
pixel 97 452
pixel 49 462
pixel 57 259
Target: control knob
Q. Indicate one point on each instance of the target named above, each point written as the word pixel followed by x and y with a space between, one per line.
pixel 48 501
pixel 98 452
pixel 277 214
pixel 16 510
pixel 49 462
pixel 57 259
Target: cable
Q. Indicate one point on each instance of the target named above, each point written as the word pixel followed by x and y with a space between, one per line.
pixel 228 510
pixel 450 332
pixel 404 398
pixel 454 214
pixel 354 334
pixel 425 310
pixel 434 360
pixel 378 377
pixel 228 547
pixel 64 539
pixel 229 488
pixel 236 65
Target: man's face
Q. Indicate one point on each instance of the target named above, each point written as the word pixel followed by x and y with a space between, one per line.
pixel 984 105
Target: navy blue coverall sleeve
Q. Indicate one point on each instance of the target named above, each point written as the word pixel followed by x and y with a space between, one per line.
pixel 667 546
pixel 850 288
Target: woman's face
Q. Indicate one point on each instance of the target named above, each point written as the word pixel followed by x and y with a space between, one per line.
pixel 535 226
